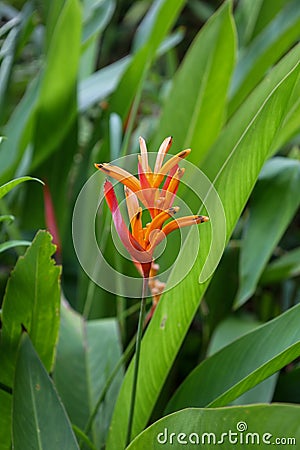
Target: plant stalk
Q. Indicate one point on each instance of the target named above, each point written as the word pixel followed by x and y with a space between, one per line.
pixel 137 359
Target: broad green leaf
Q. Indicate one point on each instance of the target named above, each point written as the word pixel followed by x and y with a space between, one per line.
pixel 241 365
pixel 266 49
pixel 87 353
pixel 279 184
pixel 5 188
pixel 39 417
pixel 157 22
pixel 163 14
pixel 291 124
pixel 246 15
pixel 53 9
pixel 97 15
pixel 31 300
pixel 256 427
pixel 247 147
pixel 195 108
pixel 228 331
pixel 57 106
pixel 18 131
pixel 7 55
pixel 11 244
pixel 286 266
pixel 246 114
pixel 5 420
pixel 100 84
pixel 268 11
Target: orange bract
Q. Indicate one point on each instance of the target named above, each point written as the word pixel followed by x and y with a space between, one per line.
pixel 141 241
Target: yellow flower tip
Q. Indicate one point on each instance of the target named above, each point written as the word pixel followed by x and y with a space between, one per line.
pixel 202 219
pixel 103 167
pixel 184 153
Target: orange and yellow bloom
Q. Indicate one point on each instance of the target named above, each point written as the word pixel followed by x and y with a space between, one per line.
pixel 140 241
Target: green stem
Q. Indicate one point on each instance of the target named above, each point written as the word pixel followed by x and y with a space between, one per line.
pixel 137 359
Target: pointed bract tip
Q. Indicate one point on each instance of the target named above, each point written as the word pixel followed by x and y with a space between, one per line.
pixel 173 209
pixel 203 219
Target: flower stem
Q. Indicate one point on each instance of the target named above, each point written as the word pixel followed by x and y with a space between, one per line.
pixel 137 359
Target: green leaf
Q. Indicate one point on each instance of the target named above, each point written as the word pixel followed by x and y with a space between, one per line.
pixel 11 244
pixel 46 425
pixel 87 353
pixel 5 420
pixel 256 427
pixel 238 125
pixel 242 364
pixel 100 84
pixel 5 188
pixel 31 300
pixel 246 15
pixel 57 106
pixel 7 217
pixel 279 185
pixel 160 18
pixel 18 131
pixel 7 55
pixel 286 266
pixel 195 107
pixel 97 15
pixel 266 49
pixel 247 145
pixel 228 331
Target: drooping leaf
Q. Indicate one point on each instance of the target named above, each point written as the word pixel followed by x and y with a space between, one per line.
pixel 5 188
pixel 279 184
pixel 237 427
pixel 11 244
pixel 87 353
pixel 31 300
pixel 39 418
pixel 242 364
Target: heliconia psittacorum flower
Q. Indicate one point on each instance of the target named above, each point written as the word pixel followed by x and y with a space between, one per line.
pixel 140 241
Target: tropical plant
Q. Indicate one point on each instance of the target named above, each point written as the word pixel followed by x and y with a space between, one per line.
pixel 80 81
